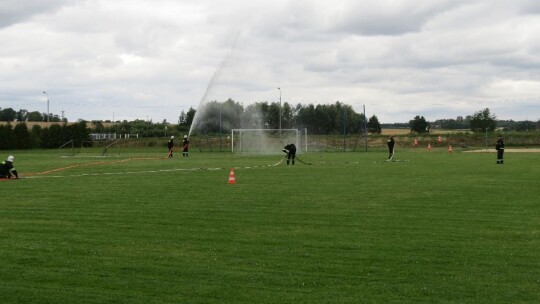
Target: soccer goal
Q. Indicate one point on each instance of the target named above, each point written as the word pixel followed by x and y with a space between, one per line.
pixel 264 141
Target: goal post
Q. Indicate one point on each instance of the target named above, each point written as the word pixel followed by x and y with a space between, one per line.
pixel 264 141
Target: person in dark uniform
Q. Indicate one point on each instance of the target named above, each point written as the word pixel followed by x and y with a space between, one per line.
pixel 170 145
pixel 290 149
pixel 500 150
pixel 185 147
pixel 7 170
pixel 391 144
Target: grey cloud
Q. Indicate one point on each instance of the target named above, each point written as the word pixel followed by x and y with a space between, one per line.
pixel 121 56
pixel 529 6
pixel 15 11
pixel 390 18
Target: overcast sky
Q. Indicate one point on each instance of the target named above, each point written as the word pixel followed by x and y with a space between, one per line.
pixel 151 59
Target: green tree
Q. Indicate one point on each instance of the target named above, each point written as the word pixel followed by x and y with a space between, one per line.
pixel 190 115
pixel 22 136
pixel 35 135
pixel 98 126
pixel 79 133
pixel 44 138
pixel 124 127
pixel 252 117
pixel 7 137
pixel 272 115
pixel 182 118
pixel 227 115
pixel 7 114
pixel 419 124
pixel 322 121
pixel 53 118
pixel 373 125
pixel 56 136
pixel 35 116
pixel 21 115
pixel 483 120
pixel 306 116
pixel 287 118
pixel 526 125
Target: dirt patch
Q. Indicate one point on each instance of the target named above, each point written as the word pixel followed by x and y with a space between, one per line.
pixel 535 150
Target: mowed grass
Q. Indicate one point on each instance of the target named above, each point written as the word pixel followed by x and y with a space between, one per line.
pixel 351 228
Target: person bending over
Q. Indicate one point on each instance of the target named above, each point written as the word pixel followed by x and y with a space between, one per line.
pixel 290 149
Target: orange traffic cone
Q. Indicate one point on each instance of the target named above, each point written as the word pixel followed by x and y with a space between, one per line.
pixel 429 146
pixel 232 180
pixel 450 149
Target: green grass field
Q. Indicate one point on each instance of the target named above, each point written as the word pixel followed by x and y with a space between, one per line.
pixel 351 228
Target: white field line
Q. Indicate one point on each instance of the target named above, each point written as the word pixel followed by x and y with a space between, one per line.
pixel 122 173
pixel 136 172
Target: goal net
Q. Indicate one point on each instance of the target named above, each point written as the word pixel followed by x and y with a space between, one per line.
pixel 264 141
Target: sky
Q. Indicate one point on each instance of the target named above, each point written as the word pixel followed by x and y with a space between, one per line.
pixel 153 59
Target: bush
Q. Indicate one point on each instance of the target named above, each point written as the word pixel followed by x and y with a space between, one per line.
pixel 22 136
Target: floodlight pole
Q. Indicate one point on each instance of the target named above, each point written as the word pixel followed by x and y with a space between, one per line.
pixel 279 89
pixel 220 130
pixel 344 115
pixel 365 127
pixel 486 139
pixel 47 105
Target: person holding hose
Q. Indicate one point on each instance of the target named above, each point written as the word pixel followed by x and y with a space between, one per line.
pixel 500 150
pixel 7 170
pixel 391 144
pixel 290 149
pixel 185 146
pixel 170 146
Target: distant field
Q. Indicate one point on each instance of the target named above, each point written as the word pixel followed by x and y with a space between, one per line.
pixel 408 131
pixel 431 227
pixel 395 131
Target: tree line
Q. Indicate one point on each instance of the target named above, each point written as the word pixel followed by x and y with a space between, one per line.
pixel 337 118
pixel 480 121
pixel 221 117
pixel 9 114
pixel 216 117
pixel 20 137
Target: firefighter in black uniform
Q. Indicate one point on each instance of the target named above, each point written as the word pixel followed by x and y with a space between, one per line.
pixel 391 144
pixel 185 146
pixel 290 149
pixel 7 170
pixel 170 145
pixel 500 150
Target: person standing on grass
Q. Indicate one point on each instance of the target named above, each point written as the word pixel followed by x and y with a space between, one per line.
pixel 500 150
pixel 185 146
pixel 170 145
pixel 290 149
pixel 7 170
pixel 391 144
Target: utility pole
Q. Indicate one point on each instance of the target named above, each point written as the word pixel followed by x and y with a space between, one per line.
pixel 365 126
pixel 486 139
pixel 344 116
pixel 47 105
pixel 279 111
